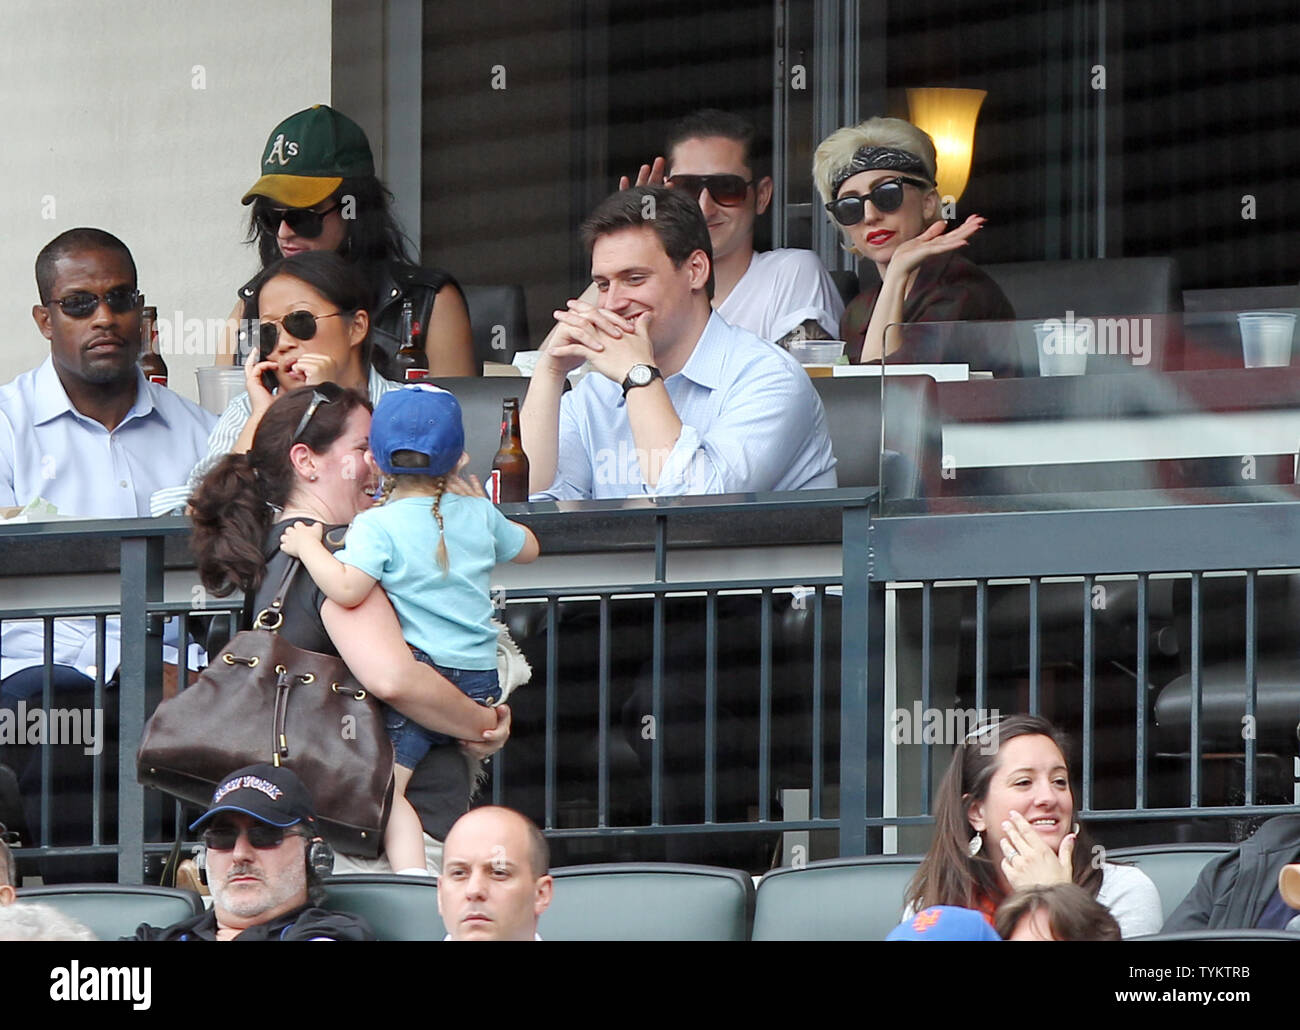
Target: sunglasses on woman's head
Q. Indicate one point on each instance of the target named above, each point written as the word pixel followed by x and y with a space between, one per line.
pixel 317 399
pixel 302 221
pixel 260 835
pixel 83 303
pixel 887 197
pixel 727 190
pixel 301 325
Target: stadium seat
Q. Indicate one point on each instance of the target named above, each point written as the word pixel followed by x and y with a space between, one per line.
pixel 648 902
pixel 1173 868
pixel 843 899
pixel 398 908
pixel 498 321
pixel 480 401
pixel 1221 935
pixel 111 911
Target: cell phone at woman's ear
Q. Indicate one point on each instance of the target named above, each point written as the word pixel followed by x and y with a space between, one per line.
pixel 264 347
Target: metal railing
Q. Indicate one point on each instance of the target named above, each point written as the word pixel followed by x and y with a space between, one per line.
pixel 886 563
pixel 1090 554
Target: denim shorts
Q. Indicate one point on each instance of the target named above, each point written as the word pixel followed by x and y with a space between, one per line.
pixel 411 741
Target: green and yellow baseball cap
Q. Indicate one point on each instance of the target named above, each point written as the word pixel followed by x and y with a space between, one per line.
pixel 308 155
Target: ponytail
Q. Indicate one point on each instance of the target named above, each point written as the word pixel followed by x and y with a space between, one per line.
pixel 231 518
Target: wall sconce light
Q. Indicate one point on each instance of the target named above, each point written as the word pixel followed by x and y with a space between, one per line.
pixel 948 115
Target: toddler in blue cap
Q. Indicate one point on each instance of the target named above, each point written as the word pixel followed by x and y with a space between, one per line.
pixel 433 552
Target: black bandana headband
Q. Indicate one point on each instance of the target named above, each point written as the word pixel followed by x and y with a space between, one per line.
pixel 868 159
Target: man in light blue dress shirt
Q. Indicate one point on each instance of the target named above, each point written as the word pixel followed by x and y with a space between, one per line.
pixel 86 431
pixel 678 401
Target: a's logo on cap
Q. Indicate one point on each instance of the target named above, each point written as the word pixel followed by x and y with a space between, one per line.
pixel 250 783
pixel 280 148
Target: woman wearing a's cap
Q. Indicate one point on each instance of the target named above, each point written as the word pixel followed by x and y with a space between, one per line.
pixel 318 191
pixel 878 183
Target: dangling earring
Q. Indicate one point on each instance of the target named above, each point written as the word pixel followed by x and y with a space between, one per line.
pixel 975 844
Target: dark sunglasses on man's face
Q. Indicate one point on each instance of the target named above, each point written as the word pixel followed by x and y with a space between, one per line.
pixel 887 196
pixel 260 835
pixel 301 325
pixel 302 221
pixel 727 190
pixel 83 303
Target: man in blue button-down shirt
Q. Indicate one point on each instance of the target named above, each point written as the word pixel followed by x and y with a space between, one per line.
pixel 678 401
pixel 86 431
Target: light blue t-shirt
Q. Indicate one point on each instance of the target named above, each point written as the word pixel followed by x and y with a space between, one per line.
pixel 446 617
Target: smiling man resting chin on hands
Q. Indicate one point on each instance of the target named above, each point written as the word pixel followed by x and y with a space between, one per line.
pixel 679 401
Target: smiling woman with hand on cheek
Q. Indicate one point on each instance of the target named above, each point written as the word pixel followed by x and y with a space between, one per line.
pixel 877 180
pixel 1005 821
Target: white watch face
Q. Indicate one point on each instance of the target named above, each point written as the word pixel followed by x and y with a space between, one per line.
pixel 640 375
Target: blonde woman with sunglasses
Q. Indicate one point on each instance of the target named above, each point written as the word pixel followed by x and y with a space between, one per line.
pixel 877 182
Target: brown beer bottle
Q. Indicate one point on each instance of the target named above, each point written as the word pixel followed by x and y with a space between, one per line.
pixel 151 362
pixel 410 361
pixel 509 479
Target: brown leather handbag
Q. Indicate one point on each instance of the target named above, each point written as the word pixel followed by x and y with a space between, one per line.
pixel 264 700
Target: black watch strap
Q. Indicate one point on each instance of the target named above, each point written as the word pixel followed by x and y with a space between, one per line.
pixel 640 375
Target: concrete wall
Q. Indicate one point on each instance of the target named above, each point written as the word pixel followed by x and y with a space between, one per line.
pixel 145 118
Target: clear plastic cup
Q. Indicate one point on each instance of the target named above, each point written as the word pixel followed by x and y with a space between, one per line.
pixel 1266 338
pixel 818 357
pixel 1063 347
pixel 219 385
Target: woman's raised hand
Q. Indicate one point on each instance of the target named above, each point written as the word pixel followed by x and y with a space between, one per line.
pixel 1028 859
pixel 318 368
pixel 934 240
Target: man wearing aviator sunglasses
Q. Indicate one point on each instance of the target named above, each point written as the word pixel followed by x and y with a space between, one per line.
pixel 719 159
pixel 87 432
pixel 263 859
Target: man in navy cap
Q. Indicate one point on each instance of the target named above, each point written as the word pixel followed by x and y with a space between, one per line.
pixel 262 851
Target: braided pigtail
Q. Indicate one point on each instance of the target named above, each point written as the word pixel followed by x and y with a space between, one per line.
pixel 439 488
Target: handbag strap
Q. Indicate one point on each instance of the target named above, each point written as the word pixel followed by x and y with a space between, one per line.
pixel 275 610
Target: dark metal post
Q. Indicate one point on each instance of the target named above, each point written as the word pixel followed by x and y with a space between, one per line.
pixel 862 687
pixel 142 582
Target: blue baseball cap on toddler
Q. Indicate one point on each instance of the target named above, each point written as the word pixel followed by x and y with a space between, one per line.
pixel 423 418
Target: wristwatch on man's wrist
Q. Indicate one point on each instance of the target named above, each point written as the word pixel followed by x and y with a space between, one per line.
pixel 640 375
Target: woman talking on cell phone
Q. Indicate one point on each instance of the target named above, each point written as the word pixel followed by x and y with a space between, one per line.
pixel 314 328
pixel 318 192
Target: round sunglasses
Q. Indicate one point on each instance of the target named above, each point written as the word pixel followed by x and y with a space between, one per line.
pixel 83 303
pixel 727 190
pixel 302 221
pixel 887 197
pixel 301 325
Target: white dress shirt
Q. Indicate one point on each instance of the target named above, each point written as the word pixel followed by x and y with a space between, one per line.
pixel 49 449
